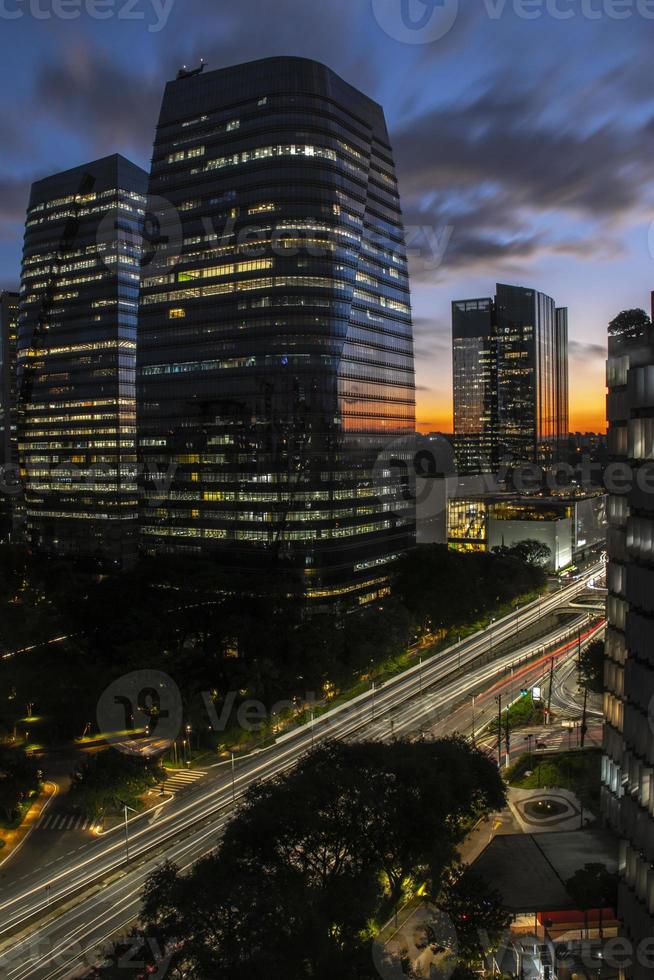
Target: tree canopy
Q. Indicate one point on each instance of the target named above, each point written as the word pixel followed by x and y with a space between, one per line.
pixel 317 855
pixel 629 323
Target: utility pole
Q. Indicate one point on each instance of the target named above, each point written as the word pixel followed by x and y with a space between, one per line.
pixel 499 730
pixel 584 725
pixel 473 719
pixel 507 737
pixel 126 807
pixel 548 720
pixel 233 780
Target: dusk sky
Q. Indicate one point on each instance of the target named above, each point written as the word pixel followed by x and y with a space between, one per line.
pixel 525 147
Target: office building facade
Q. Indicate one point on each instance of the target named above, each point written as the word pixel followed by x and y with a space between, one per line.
pixel 275 362
pixel 77 360
pixel 8 445
pixel 474 363
pixel 628 762
pixel 8 336
pixel 510 369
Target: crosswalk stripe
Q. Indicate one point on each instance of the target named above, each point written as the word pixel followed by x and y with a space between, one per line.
pixel 45 821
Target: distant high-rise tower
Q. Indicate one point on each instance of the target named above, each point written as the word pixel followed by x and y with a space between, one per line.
pixel 8 335
pixel 77 359
pixel 474 354
pixel 8 445
pixel 510 359
pixel 628 763
pixel 275 359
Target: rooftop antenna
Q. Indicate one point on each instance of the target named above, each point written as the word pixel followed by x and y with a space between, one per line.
pixel 185 72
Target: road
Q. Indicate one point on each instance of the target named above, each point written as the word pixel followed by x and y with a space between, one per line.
pixel 83 898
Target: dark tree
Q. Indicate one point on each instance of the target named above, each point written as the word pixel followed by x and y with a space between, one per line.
pixel 530 551
pixel 311 858
pixel 476 911
pixel 18 781
pixel 591 672
pixel 629 323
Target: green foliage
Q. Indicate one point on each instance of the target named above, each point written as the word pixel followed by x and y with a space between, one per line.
pixel 530 551
pixel 316 854
pixel 108 780
pixel 522 714
pixel 18 781
pixel 579 772
pixel 591 672
pixel 629 323
pixel 444 589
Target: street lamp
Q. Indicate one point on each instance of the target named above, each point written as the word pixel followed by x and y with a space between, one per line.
pixel 233 780
pixel 126 808
pixel 188 732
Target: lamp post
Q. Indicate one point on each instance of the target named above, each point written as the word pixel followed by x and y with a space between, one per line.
pixel 473 719
pixel 188 735
pixel 233 780
pixel 126 808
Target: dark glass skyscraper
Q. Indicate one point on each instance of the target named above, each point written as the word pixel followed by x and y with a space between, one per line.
pixel 8 445
pixel 8 335
pixel 474 353
pixel 628 763
pixel 77 359
pixel 510 379
pixel 275 359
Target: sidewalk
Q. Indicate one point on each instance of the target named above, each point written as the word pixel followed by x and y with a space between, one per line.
pixel 14 839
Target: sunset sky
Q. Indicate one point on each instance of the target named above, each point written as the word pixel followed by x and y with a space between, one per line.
pixel 525 147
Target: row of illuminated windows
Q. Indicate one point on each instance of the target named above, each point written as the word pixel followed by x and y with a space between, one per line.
pixel 332 478
pixel 79 515
pixel 209 272
pixel 56 202
pixel 95 486
pixel 284 497
pixel 92 444
pixel 116 429
pixel 89 403
pixel 287 224
pixel 269 282
pixel 78 348
pixel 266 536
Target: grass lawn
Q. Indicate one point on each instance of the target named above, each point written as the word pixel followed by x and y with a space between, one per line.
pixel 578 772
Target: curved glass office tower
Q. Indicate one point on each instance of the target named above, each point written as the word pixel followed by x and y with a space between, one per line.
pixel 275 361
